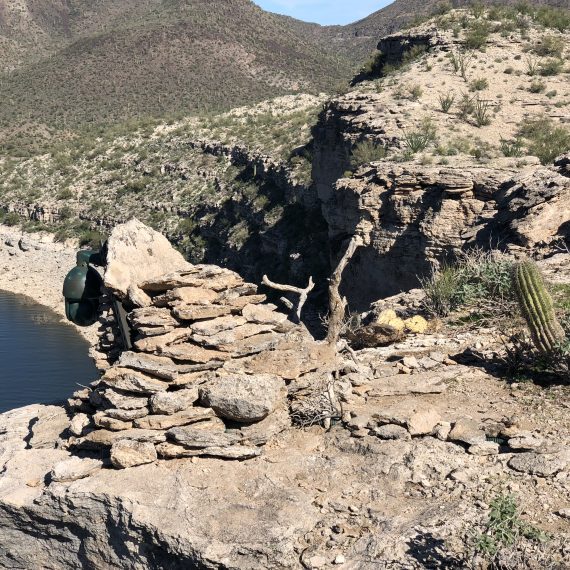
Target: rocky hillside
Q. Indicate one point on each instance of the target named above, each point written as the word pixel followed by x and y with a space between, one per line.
pixel 116 60
pixel 429 150
pixel 360 38
pixel 139 59
pixel 435 145
pixel 231 189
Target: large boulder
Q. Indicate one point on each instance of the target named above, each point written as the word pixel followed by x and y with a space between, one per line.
pixel 243 398
pixel 137 253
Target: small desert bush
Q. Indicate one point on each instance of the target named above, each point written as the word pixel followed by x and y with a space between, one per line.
pixel 420 139
pixel 531 65
pixel 479 84
pixel 414 53
pixel 9 218
pixel 537 86
pixel 507 542
pixel 65 194
pixel 466 106
pixel 446 102
pixel 545 139
pixel 478 278
pixel 366 152
pixel 415 92
pixel 373 64
pixel 461 62
pixel 65 213
pixel 512 148
pixel 551 67
pixel 481 113
pixel 92 239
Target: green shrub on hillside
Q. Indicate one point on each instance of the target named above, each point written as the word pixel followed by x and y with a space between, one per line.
pixel 479 279
pixel 549 46
pixel 545 139
pixel 479 84
pixel 9 218
pixel 512 148
pixel 555 18
pixel 551 67
pixel 419 139
pixel 504 530
pixel 537 86
pixel 446 101
pixel 365 152
pixel 477 35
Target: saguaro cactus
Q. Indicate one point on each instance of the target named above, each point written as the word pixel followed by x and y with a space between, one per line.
pixel 537 307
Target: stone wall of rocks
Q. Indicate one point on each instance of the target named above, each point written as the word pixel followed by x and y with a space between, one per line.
pixel 209 367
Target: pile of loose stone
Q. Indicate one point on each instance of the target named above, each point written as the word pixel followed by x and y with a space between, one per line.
pixel 207 374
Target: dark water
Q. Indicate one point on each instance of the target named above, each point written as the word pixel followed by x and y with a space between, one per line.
pixel 41 359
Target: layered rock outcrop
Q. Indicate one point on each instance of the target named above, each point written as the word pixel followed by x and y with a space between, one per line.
pixel 421 180
pixel 416 217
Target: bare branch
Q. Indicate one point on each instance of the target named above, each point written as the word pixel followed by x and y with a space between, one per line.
pixel 303 294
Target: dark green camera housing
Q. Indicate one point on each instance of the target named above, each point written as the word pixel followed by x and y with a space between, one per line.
pixel 82 290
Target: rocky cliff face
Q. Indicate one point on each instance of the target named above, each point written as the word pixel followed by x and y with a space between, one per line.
pixel 416 217
pixel 422 181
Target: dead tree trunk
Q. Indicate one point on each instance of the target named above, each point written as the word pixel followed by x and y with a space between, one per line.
pixel 337 304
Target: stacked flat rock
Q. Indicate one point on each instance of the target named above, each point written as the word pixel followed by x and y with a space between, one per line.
pixel 207 375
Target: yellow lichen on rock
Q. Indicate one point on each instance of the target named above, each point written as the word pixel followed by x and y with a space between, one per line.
pixel 390 318
pixel 416 324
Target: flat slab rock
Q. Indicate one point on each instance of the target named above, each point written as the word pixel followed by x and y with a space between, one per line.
pixel 540 464
pixel 159 366
pixel 133 381
pixel 292 359
pixel 196 438
pixel 74 468
pixel 163 422
pixel 212 276
pixel 172 451
pixel 48 426
pixel 102 438
pixel 130 453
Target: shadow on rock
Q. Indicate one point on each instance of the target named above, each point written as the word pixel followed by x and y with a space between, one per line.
pixel 431 552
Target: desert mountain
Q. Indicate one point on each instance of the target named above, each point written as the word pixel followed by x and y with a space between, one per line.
pixel 358 39
pixel 109 61
pixel 138 58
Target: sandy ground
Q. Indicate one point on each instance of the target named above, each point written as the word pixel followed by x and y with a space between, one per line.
pixel 39 272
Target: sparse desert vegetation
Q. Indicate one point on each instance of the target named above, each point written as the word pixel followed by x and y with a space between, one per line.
pixel 430 428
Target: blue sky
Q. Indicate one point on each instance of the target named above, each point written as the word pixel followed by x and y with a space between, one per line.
pixel 324 11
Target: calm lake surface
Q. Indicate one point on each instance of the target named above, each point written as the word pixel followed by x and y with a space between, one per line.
pixel 41 359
